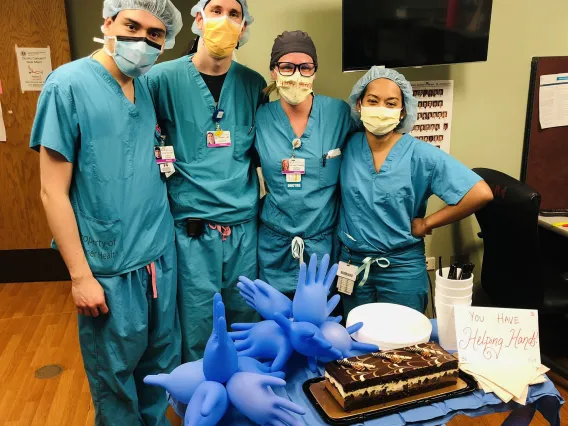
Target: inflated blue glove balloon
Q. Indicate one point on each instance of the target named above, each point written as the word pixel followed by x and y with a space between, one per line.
pixel 208 405
pixel 182 382
pixel 341 340
pixel 307 339
pixel 251 394
pixel 220 357
pixel 264 298
pixel 310 301
pixel 263 340
pixel 251 365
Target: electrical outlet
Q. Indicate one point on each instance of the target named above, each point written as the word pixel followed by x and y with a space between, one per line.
pixel 430 263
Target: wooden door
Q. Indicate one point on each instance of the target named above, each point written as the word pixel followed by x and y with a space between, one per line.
pixel 25 23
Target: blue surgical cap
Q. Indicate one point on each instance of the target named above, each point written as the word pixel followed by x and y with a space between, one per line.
pixel 249 19
pixel 164 10
pixel 410 102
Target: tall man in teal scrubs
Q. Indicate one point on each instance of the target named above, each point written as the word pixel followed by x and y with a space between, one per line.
pixel 106 204
pixel 206 106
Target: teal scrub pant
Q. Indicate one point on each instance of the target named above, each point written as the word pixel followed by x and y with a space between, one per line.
pixel 404 282
pixel 139 336
pixel 207 265
pixel 276 264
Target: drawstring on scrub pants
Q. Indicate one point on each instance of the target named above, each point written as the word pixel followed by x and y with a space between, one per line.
pixel 151 268
pixel 381 261
pixel 298 249
pixel 225 231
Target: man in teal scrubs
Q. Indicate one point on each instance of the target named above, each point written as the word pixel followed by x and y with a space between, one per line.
pixel 206 105
pixel 106 204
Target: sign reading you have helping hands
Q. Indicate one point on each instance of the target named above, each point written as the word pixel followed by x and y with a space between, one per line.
pixel 497 335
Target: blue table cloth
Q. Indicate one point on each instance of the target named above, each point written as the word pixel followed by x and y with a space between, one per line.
pixel 543 397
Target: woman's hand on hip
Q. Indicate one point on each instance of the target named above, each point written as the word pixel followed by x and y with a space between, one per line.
pixel 420 228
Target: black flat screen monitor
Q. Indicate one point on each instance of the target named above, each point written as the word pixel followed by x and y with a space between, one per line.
pixel 409 33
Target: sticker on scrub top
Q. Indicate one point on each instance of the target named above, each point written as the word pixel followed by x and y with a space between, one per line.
pixel 218 139
pixel 164 154
pixel 293 166
pixel 294 182
pixel 347 274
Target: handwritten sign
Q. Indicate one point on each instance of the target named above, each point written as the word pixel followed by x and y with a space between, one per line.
pixel 497 335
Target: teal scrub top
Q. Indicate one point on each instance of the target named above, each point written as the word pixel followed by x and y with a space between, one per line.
pixel 378 208
pixel 314 208
pixel 218 185
pixel 117 193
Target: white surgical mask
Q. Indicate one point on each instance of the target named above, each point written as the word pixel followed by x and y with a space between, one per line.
pixel 380 120
pixel 295 89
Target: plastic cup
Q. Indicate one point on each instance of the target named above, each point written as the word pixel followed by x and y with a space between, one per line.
pixel 457 284
pixel 446 326
pixel 454 292
pixel 449 300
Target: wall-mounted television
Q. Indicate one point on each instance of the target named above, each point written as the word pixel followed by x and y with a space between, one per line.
pixel 410 33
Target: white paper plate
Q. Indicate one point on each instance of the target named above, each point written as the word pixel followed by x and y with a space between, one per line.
pixel 390 326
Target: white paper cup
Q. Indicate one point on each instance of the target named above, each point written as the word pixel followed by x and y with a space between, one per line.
pixel 457 284
pixel 449 300
pixel 454 292
pixel 446 326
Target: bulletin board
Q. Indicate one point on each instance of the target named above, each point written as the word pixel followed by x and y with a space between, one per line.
pixel 545 153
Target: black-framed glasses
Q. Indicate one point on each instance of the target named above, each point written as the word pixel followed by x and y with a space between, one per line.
pixel 287 69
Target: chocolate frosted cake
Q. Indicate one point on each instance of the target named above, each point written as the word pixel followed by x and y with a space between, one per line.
pixel 367 380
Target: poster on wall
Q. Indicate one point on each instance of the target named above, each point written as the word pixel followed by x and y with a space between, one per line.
pixel 34 65
pixel 435 105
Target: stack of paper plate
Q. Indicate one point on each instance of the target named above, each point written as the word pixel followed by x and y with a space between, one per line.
pixel 390 326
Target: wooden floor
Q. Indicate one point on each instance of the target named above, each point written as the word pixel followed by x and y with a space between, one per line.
pixel 38 326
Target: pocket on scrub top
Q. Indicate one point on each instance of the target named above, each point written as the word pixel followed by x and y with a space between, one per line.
pixel 329 175
pixel 242 141
pixel 102 243
pixel 110 159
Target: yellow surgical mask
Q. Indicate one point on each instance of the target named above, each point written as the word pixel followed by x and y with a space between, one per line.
pixel 221 35
pixel 380 120
pixel 294 89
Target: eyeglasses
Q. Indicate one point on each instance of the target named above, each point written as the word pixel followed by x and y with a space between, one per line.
pixel 286 69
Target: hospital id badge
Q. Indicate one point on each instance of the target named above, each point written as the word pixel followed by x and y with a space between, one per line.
pixel 294 166
pixel 166 154
pixel 294 182
pixel 347 274
pixel 218 139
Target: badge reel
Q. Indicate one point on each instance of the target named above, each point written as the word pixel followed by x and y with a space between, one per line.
pixel 293 168
pixel 165 157
pixel 346 276
pixel 218 138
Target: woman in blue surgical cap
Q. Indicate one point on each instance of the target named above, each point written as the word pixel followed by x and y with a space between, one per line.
pixel 299 139
pixel 387 177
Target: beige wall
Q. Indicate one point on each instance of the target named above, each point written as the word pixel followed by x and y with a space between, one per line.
pixel 490 98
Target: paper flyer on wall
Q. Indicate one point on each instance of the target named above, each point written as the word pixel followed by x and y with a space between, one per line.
pixel 435 106
pixel 2 126
pixel 34 65
pixel 553 100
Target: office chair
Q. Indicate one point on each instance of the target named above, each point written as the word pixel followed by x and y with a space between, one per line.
pixel 514 273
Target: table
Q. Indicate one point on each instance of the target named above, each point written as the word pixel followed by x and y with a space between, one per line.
pixel 544 398
pixel 547 222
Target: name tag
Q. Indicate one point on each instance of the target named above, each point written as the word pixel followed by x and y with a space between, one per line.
pixel 347 274
pixel 294 166
pixel 218 139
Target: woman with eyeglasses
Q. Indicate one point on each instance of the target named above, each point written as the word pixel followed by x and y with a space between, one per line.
pixel 300 212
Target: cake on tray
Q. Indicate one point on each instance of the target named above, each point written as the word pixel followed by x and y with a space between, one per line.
pixel 367 380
